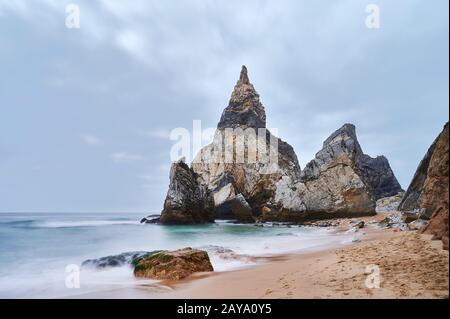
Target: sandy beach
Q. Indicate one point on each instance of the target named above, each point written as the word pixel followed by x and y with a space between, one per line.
pixel 410 266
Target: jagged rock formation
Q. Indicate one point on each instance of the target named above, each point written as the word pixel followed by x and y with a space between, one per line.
pixel 187 201
pixel 375 173
pixel 429 189
pixel 253 174
pixel 249 175
pixel 343 181
pixel 244 109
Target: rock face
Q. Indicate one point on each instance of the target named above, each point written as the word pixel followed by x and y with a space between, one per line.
pixel 244 108
pixel 249 175
pixel 429 188
pixel 344 181
pixel 172 265
pixel 187 200
pixel 413 196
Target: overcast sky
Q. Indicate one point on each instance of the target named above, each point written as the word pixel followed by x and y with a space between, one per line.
pixel 85 113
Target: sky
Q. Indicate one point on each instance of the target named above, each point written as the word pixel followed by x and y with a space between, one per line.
pixel 86 113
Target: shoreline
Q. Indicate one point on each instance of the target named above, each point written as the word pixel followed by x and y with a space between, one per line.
pixel 410 266
pixel 335 273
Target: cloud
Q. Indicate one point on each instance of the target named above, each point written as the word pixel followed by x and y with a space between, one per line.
pixel 123 157
pixel 162 64
pixel 91 139
pixel 132 43
pixel 158 133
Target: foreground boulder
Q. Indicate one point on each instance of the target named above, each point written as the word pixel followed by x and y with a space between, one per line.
pixel 429 189
pixel 172 265
pixel 187 200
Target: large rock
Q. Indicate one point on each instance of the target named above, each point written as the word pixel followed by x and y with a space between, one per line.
pixel 172 265
pixel 248 171
pixel 343 181
pixel 433 193
pixel 188 201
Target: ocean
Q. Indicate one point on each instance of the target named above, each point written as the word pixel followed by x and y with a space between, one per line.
pixel 39 252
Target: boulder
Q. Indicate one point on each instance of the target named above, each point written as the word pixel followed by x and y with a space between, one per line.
pixel 172 265
pixel 151 219
pixel 394 220
pixel 389 204
pixel 188 201
pixel 359 224
pixel 409 217
pixel 417 224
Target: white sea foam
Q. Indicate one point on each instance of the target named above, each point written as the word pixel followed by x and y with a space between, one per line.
pixel 86 223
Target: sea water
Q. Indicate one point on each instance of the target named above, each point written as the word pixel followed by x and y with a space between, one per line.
pixel 38 252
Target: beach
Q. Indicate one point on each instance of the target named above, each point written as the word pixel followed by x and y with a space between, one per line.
pixel 328 259
pixel 411 266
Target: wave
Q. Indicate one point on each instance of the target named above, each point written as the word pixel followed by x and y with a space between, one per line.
pixel 17 222
pixel 68 224
pixel 84 223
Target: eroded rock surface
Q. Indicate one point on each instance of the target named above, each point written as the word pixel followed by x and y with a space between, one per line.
pixel 252 174
pixel 344 181
pixel 248 174
pixel 434 195
pixel 172 265
pixel 389 204
pixel 411 200
pixel 188 201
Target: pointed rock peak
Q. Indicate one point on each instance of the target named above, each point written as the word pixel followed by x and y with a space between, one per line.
pixel 347 131
pixel 243 79
pixel 244 108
